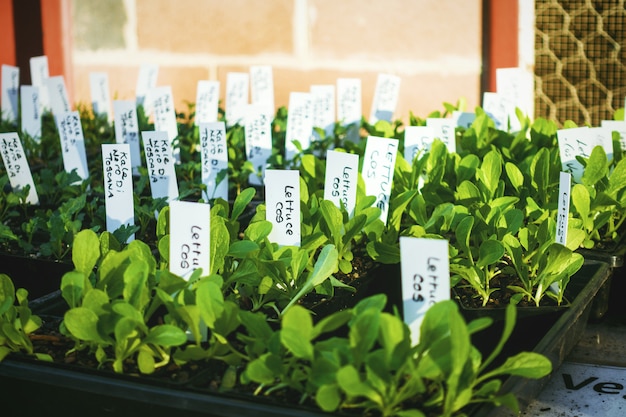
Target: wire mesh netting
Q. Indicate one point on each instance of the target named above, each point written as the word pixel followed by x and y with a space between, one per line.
pixel 580 59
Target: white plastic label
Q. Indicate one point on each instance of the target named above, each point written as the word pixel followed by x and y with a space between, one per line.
pixel 59 100
pixel 118 186
pixel 207 101
pixel 237 86
pixel 262 87
pixel 100 96
pixel 342 172
pixel 378 167
pixel 445 130
pixel 38 74
pixel 463 119
pixel 299 123
pixel 146 81
pixel 417 139
pixel 349 106
pixel 323 97
pixel 565 186
pixel 214 159
pixel 425 278
pixel 516 87
pixel 495 107
pixel 618 126
pixel 160 164
pixel 258 133
pixel 580 141
pixel 16 165
pixel 164 112
pixel 385 98
pixel 127 130
pixel 31 111
pixel 190 238
pixel 10 90
pixel 282 201
pixel 72 143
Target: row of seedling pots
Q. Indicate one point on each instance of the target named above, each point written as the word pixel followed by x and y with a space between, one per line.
pixel 261 322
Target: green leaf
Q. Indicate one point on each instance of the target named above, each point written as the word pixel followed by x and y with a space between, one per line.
pixel 7 293
pixel 489 252
pixel 85 251
pixel 145 362
pixel 524 364
pixel 219 246
pixel 514 175
pixel 241 202
pixel 242 248
pixel 350 381
pixel 327 397
pixel 166 335
pixel 136 291
pixel 82 323
pixel 258 231
pixel 73 287
pixel 297 331
pixel 326 264
pixel 264 369
pixel 597 167
pixel 210 301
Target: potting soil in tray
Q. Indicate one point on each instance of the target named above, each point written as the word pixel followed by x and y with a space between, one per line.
pixel 553 336
pixel 38 276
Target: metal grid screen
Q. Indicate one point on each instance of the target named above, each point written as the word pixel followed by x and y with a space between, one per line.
pixel 580 59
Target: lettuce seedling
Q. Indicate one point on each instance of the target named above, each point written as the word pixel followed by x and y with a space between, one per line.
pixel 16 321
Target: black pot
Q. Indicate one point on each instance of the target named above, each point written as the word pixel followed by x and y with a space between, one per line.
pixel 553 335
pixel 38 276
pixel 609 298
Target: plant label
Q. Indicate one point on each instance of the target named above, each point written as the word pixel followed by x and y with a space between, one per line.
pixel 10 90
pixel 323 97
pixel 190 238
pixel 580 141
pixel 379 161
pixel 72 143
pixel 237 86
pixel 349 106
pixel 59 100
pixel 31 111
pixel 516 87
pixel 565 187
pixel 214 160
pixel 164 113
pixel 127 130
pixel 463 119
pixel 425 273
pixel 417 140
pixel 16 165
pixel 618 126
pixel 100 97
pixel 146 81
pixel 445 130
pixel 299 123
pixel 385 99
pixel 341 179
pixel 160 164
pixel 258 132
pixel 118 186
pixel 38 74
pixel 207 101
pixel 262 87
pixel 495 107
pixel 282 201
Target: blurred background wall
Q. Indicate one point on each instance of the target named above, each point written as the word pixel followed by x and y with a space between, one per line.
pixel 433 45
pixel 437 47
